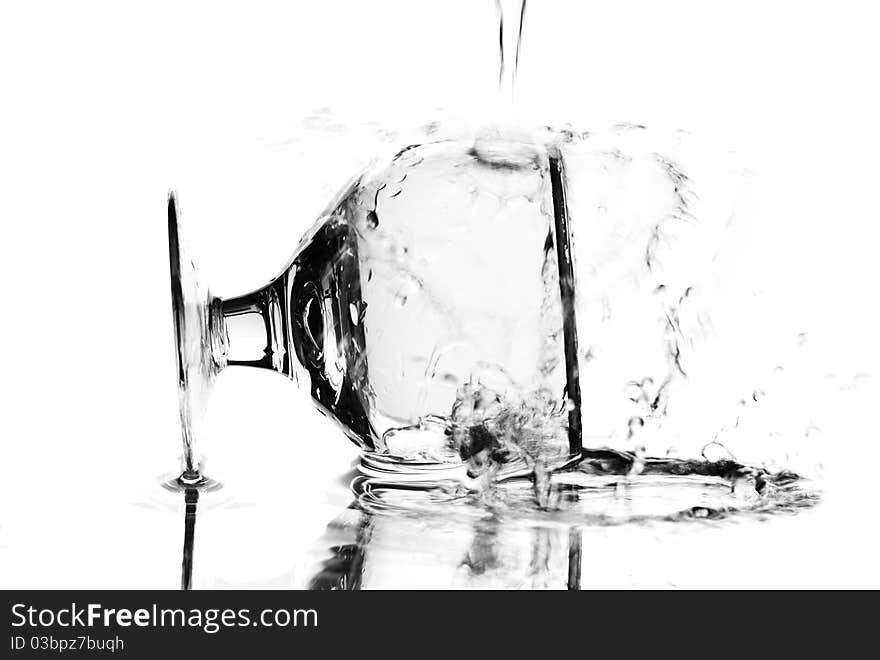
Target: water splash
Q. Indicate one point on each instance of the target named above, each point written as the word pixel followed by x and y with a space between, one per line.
pixel 603 491
pixel 490 431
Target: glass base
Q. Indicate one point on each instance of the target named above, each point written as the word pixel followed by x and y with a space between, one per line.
pixel 196 369
pixel 429 473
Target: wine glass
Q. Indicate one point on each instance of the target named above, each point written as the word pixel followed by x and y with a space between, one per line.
pixel 489 304
pixel 437 282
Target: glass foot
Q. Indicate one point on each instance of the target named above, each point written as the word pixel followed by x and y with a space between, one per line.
pixel 196 369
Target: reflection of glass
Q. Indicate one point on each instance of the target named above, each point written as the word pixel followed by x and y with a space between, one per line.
pixel 191 497
pixel 603 526
pixel 390 552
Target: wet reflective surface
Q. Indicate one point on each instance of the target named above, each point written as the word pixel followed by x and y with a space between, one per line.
pixel 654 531
pixel 479 549
pixel 269 534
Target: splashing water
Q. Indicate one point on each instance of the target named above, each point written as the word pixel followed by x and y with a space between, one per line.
pixel 490 431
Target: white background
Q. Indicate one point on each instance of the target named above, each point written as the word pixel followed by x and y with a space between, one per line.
pixel 105 106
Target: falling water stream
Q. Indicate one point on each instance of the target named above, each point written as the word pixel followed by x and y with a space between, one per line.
pixel 511 16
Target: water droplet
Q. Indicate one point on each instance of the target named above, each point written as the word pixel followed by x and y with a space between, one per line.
pixel 757 395
pixel 372 220
pixel 634 424
pixel 634 392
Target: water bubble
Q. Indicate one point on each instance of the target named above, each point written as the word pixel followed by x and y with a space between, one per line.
pixel 715 452
pixel 757 395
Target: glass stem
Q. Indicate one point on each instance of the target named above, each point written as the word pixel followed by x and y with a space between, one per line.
pixel 251 330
